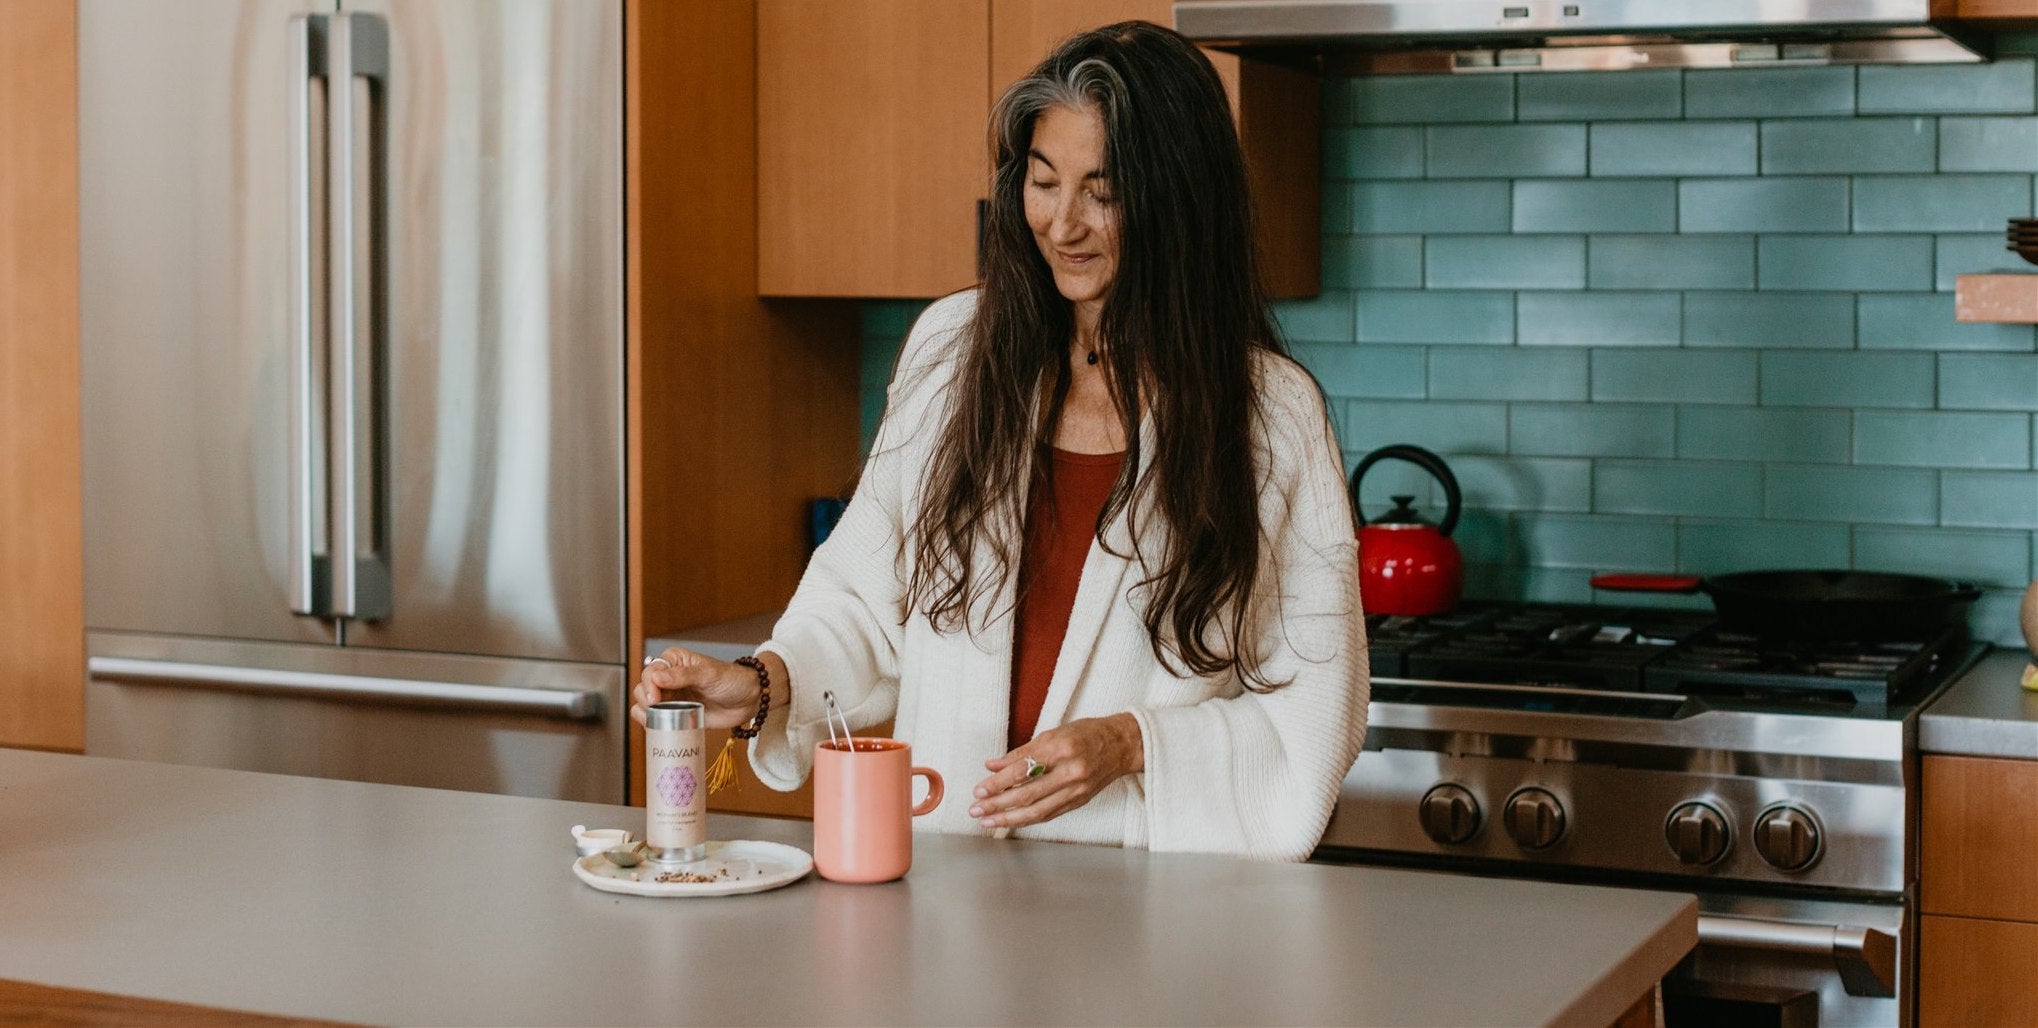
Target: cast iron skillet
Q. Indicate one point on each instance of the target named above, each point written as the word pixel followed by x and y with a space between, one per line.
pixel 1814 605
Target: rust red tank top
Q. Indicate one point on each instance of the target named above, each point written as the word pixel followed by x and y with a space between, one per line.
pixel 1060 525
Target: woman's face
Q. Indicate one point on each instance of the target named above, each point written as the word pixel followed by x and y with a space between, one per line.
pixel 1070 205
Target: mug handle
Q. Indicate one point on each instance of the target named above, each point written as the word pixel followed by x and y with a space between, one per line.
pixel 933 791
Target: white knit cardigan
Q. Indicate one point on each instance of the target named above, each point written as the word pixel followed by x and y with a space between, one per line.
pixel 1227 770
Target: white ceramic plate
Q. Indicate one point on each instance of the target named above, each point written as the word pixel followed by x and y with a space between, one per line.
pixel 745 865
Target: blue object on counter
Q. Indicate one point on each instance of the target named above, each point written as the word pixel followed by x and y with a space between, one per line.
pixel 822 514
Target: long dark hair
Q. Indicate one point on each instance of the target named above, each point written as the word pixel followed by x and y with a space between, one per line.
pixel 1178 331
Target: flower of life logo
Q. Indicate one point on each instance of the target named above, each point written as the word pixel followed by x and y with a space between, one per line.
pixel 676 785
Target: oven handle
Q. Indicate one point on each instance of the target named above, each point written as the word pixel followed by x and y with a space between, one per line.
pixel 1865 957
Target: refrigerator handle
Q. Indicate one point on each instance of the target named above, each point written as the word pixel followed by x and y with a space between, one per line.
pixel 357 46
pixel 573 705
pixel 307 573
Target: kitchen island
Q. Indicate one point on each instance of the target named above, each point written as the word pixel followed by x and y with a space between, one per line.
pixel 372 903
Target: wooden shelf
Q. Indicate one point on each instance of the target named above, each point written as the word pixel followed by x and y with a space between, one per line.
pixel 2007 297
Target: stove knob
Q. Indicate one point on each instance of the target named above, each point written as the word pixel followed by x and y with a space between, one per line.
pixel 1534 818
pixel 1698 834
pixel 1788 838
pixel 1450 814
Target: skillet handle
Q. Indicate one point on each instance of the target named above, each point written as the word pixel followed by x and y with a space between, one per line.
pixel 1647 583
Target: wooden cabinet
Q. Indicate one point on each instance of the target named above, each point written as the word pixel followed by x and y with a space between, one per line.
pixel 1977 892
pixel 873 139
pixel 42 599
pixel 739 409
pixel 1993 10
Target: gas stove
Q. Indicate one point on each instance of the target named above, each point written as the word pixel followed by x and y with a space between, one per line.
pixel 1654 748
pixel 1669 652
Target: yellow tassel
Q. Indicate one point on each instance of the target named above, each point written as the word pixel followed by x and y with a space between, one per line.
pixel 722 773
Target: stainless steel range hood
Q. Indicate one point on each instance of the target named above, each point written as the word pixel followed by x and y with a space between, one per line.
pixel 1576 35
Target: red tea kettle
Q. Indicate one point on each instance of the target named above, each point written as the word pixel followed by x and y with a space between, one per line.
pixel 1407 565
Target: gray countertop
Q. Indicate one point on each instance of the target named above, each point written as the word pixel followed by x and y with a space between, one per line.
pixel 379 903
pixel 1984 713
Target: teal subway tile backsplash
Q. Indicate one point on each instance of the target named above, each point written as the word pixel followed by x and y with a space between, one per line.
pixel 1598 319
pixel 1806 378
pixel 1596 542
pixel 1939 203
pixel 1592 429
pixel 1641 95
pixel 1507 373
pixel 1691 319
pixel 1982 557
pixel 1684 488
pixel 1887 263
pixel 1595 205
pixel 1528 583
pixel 1421 99
pixel 1435 316
pixel 1989 499
pixel 1673 148
pixel 1942 439
pixel 1988 144
pixel 1450 428
pixel 1957 255
pixel 1325 318
pixel 1372 152
pixel 1504 262
pixel 1429 207
pixel 1998 87
pixel 1524 483
pixel 1924 321
pixel 1812 492
pixel 1780 320
pixel 1714 547
pixel 1674 376
pixel 1670 262
pixel 1504 151
pixel 1769 93
pixel 1762 205
pixel 1742 433
pixel 1991 381
pixel 1853 146
pixel 1372 262
pixel 1383 372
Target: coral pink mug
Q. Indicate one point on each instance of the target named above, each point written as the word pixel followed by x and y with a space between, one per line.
pixel 863 809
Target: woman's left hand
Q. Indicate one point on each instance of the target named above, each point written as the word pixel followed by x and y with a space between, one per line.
pixel 1080 758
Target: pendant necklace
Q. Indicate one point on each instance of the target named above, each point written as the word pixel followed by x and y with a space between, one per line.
pixel 1093 356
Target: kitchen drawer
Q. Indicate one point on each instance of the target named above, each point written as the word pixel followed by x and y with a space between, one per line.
pixel 1980 833
pixel 1974 972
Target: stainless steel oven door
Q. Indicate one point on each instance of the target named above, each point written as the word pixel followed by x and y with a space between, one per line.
pixel 1790 963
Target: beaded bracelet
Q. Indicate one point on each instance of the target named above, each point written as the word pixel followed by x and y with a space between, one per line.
pixel 756 724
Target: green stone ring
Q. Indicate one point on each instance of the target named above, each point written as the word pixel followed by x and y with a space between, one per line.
pixel 1034 768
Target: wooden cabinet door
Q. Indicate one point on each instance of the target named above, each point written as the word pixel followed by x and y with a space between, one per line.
pixel 1974 973
pixel 870 145
pixel 1979 838
pixel 872 150
pixel 2014 10
pixel 42 610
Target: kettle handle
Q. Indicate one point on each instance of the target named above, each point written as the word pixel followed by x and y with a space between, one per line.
pixel 1427 461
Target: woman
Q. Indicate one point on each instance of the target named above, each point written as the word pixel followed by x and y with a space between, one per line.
pixel 1101 549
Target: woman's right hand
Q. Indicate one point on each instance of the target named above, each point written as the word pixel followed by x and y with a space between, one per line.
pixel 728 691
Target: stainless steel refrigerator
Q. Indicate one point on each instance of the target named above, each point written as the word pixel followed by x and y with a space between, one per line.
pixel 352 286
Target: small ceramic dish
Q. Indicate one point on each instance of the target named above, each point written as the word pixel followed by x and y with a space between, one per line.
pixel 729 869
pixel 590 841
